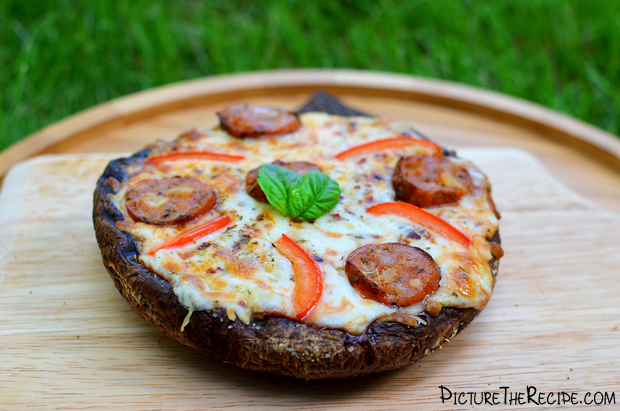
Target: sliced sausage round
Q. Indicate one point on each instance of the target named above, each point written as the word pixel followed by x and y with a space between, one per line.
pixel 243 120
pixel 430 180
pixel 393 274
pixel 251 179
pixel 171 200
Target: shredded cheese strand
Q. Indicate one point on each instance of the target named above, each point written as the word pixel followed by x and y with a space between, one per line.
pixel 188 316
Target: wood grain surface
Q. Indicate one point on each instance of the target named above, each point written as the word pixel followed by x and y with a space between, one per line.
pixel 581 156
pixel 69 341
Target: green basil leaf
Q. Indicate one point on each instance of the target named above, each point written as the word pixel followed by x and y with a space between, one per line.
pixel 312 196
pixel 277 182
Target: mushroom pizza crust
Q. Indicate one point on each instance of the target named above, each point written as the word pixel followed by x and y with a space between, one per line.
pixel 315 246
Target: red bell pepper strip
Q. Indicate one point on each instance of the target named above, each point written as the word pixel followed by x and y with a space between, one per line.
pixel 197 155
pixel 392 142
pixel 308 276
pixel 191 235
pixel 423 218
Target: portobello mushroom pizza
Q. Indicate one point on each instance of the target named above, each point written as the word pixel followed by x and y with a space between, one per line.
pixel 312 245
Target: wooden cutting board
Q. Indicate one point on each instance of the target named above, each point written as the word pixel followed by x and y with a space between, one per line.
pixel 68 340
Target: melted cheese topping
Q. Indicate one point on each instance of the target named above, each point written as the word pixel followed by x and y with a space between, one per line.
pixel 239 269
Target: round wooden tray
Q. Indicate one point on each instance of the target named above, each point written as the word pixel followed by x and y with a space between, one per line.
pixel 583 157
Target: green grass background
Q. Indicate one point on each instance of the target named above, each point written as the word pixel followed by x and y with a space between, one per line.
pixel 59 57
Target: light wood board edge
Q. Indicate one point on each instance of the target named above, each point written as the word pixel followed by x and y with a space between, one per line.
pixel 597 144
